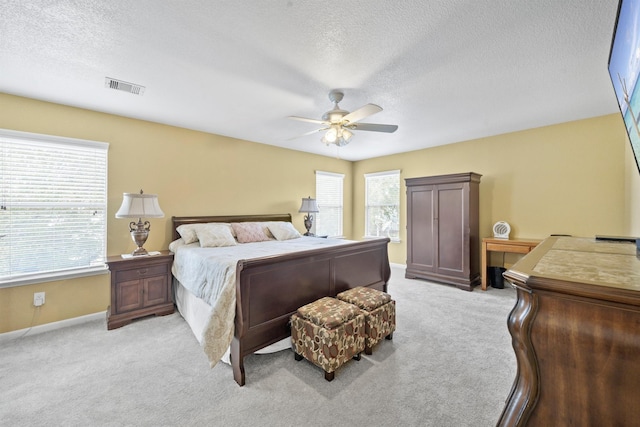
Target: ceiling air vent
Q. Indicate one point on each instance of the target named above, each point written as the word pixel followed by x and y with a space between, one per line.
pixel 123 86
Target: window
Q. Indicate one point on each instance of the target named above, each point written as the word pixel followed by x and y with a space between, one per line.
pixel 383 204
pixel 53 204
pixel 329 197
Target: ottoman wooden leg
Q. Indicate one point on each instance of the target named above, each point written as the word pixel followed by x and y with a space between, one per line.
pixel 367 350
pixel 390 336
pixel 329 375
pixel 357 356
pixel 297 356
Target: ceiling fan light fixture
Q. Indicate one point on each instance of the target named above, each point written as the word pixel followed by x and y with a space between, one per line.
pixel 331 136
pixel 337 135
pixel 338 124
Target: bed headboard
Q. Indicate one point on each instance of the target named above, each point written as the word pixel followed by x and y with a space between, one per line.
pixel 179 220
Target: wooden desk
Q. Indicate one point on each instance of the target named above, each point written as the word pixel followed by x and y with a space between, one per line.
pixel 516 246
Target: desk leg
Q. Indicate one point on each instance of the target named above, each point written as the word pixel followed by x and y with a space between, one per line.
pixel 483 266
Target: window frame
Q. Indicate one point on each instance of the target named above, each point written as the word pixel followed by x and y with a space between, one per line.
pixel 367 176
pixel 340 177
pixel 64 147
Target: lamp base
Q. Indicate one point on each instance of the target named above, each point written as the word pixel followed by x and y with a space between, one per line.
pixel 140 251
pixel 308 223
pixel 139 234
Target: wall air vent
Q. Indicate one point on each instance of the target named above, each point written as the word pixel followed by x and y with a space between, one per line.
pixel 123 86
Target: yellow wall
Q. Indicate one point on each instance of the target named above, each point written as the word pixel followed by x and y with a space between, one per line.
pixel 567 178
pixel 193 173
pixel 575 178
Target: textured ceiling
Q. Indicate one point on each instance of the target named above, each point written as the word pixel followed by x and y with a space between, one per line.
pixel 443 70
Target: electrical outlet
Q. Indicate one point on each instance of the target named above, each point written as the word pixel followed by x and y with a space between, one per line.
pixel 38 299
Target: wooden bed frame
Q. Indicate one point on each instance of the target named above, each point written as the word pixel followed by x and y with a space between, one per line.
pixel 270 289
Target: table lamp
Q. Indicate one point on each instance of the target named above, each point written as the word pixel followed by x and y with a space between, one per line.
pixel 308 206
pixel 139 205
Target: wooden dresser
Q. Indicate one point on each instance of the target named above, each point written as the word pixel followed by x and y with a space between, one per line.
pixel 576 334
pixel 443 235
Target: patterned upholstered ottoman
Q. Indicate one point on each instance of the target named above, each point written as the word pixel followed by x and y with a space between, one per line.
pixel 380 309
pixel 328 333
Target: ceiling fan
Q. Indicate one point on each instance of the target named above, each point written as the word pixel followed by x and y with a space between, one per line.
pixel 339 123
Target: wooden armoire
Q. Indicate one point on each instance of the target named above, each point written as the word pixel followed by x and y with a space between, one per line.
pixel 443 240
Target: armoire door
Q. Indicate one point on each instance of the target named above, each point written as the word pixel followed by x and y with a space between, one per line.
pixel 421 254
pixel 451 232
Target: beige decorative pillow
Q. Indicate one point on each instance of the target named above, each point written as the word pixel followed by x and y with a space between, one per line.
pixel 214 235
pixel 265 228
pixel 283 230
pixel 188 232
pixel 247 232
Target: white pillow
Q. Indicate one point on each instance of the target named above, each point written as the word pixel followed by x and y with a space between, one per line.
pixel 214 235
pixel 283 230
pixel 173 246
pixel 188 232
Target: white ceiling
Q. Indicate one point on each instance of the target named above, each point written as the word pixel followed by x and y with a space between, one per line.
pixel 443 70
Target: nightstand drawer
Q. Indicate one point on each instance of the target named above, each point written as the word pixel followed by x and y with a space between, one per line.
pixel 138 273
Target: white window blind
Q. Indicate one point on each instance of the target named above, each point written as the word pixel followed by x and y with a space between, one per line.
pixel 330 203
pixel 383 204
pixel 53 204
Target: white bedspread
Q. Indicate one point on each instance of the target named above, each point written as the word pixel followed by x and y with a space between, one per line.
pixel 210 274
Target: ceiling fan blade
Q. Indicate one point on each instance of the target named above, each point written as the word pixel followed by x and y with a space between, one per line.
pixel 374 127
pixel 362 112
pixel 304 119
pixel 308 133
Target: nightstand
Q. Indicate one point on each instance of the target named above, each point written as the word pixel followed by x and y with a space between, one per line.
pixel 140 286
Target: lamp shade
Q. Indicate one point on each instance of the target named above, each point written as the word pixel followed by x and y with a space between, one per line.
pixel 309 205
pixel 139 205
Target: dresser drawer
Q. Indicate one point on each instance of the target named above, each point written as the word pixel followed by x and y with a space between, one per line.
pixel 142 272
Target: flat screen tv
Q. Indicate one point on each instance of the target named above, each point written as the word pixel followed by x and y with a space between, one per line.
pixel 624 68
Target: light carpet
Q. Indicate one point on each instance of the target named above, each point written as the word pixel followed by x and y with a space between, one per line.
pixel 450 363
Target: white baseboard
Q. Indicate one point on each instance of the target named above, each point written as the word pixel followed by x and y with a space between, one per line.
pixel 7 336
